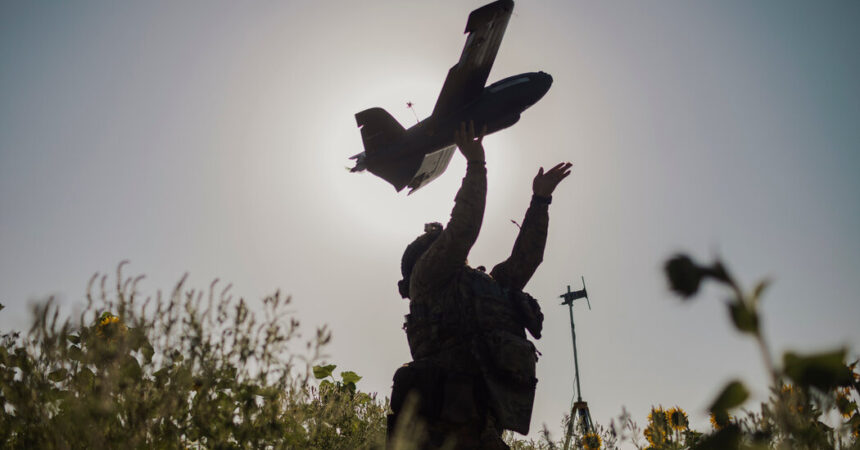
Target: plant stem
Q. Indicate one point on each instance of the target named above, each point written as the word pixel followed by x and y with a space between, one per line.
pixel 752 305
pixel 768 360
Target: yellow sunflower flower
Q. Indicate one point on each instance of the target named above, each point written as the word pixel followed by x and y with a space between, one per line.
pixel 658 417
pixel 110 326
pixel 843 402
pixel 591 441
pixel 658 427
pixel 678 419
pixel 654 437
pixel 719 424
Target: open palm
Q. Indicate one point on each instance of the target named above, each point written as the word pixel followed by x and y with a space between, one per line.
pixel 544 183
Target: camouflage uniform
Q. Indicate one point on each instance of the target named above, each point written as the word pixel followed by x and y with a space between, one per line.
pixel 473 368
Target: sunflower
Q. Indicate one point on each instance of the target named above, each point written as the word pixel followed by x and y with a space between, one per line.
pixel 658 417
pixel 655 437
pixel 591 441
pixel 792 397
pixel 109 320
pixel 110 326
pixel 844 403
pixel 678 419
pixel 719 423
pixel 658 427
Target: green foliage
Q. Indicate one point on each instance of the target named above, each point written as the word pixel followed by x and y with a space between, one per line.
pixel 824 371
pixel 350 377
pixel 321 372
pixel 744 317
pixel 807 391
pixel 795 416
pixel 732 396
pixel 196 369
pixel 798 415
pixel 193 369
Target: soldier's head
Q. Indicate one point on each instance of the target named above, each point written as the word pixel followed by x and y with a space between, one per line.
pixel 414 251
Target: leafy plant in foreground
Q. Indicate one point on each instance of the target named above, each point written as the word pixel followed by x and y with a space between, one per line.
pixel 806 392
pixel 193 369
pixel 804 388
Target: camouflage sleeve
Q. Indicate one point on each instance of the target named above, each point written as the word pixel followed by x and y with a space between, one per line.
pixel 527 255
pixel 448 254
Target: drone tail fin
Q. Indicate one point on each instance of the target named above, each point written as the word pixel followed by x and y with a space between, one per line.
pixel 378 129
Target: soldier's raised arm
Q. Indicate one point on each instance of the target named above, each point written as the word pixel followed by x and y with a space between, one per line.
pixel 527 254
pixel 448 253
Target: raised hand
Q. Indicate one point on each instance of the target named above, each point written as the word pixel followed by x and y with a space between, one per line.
pixel 469 143
pixel 544 183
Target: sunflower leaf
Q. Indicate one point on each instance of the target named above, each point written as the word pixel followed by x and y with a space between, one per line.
pixel 744 317
pixel 75 353
pixel 58 375
pixel 733 395
pixel 822 370
pixel 321 372
pixel 350 377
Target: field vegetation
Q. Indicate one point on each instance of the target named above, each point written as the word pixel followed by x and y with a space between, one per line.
pixel 199 369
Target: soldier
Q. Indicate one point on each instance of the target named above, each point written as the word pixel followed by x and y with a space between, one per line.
pixel 473 369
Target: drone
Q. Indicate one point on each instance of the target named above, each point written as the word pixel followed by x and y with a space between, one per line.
pixel 416 156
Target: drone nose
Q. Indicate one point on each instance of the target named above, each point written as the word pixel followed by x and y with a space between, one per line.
pixel 547 77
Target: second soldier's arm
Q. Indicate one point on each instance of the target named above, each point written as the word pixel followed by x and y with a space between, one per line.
pixel 448 253
pixel 528 250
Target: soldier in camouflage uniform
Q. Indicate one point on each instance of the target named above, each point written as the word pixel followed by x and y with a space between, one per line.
pixel 473 369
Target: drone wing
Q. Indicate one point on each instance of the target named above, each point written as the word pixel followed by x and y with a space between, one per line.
pixel 466 80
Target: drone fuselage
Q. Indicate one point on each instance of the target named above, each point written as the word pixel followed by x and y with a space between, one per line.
pixel 498 107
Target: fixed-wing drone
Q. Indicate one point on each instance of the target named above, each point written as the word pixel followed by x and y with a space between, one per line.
pixel 416 156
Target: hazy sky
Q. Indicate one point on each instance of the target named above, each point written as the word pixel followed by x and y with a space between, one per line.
pixel 212 137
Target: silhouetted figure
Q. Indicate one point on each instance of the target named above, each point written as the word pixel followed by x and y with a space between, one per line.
pixel 473 369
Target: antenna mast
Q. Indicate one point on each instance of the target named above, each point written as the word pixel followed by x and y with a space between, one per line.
pixel 579 410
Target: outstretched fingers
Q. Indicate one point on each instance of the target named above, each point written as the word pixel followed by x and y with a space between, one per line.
pixel 562 167
pixel 560 171
pixel 545 182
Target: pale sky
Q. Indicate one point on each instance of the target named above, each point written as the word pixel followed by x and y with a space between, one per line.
pixel 212 138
